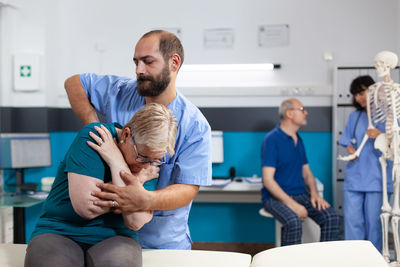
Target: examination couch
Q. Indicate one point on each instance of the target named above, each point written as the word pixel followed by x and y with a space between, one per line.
pixel 12 255
pixel 327 254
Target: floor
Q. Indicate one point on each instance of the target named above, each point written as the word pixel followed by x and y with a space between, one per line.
pixel 248 248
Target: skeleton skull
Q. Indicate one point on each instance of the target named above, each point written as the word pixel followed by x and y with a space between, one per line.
pixel 384 62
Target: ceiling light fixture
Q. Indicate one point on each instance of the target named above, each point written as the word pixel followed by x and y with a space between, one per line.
pixel 230 67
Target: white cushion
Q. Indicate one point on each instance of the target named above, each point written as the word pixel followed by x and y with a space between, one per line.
pixel 328 254
pixel 194 258
pixel 13 255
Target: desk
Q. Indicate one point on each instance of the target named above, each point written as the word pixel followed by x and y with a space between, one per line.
pixel 19 202
pixel 237 192
pixel 234 192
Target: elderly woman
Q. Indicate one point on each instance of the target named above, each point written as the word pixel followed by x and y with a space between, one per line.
pixel 72 231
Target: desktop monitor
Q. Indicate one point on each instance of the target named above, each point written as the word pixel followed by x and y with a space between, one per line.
pixel 24 150
pixel 217 142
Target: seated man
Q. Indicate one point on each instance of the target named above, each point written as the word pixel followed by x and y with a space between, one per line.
pixel 289 192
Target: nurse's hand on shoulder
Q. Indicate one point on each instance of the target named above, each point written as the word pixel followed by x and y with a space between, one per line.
pixel 319 203
pixel 130 198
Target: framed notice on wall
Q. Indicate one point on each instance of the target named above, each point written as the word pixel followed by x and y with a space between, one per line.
pixel 218 38
pixel 273 35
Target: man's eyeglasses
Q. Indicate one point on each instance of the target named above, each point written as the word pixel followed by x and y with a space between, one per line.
pixel 302 109
pixel 143 159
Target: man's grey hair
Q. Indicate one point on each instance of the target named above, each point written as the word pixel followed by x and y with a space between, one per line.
pixel 285 105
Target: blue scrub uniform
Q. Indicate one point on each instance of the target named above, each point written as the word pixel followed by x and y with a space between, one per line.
pixel 363 183
pixel 118 100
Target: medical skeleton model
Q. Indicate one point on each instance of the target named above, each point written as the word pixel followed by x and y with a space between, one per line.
pixel 383 105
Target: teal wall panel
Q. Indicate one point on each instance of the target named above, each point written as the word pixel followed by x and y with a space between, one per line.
pixel 242 150
pixel 319 153
pixel 221 222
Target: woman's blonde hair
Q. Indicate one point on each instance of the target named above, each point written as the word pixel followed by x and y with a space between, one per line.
pixel 154 126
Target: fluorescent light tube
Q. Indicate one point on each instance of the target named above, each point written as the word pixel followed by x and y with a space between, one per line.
pixel 230 67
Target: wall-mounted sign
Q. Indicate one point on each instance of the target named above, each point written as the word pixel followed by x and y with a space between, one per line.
pixel 273 35
pixel 26 72
pixel 218 38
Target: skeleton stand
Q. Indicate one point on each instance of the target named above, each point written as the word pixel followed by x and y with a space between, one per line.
pixel 383 99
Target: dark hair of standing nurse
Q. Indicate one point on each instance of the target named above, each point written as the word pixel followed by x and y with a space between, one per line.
pixel 359 85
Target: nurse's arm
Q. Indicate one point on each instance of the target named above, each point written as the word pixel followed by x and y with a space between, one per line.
pixel 79 100
pixel 134 196
pixel 173 196
pixel 277 192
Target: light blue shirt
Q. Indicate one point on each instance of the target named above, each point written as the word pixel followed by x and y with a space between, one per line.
pixel 365 173
pixel 117 99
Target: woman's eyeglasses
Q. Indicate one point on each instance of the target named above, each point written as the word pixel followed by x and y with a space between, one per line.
pixel 143 159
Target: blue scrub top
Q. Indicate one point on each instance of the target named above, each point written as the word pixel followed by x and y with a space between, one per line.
pixel 288 159
pixel 117 99
pixel 365 173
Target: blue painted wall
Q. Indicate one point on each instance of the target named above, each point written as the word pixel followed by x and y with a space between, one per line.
pixel 215 222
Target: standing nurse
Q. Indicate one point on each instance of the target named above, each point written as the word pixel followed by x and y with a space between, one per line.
pixel 363 177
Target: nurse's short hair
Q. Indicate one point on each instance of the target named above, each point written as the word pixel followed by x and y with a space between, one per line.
pixel 169 44
pixel 155 127
pixel 285 105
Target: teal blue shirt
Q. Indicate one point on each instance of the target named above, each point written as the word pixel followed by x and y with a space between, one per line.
pixel 58 214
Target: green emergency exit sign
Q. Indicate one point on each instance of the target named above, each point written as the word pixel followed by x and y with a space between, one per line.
pixel 25 71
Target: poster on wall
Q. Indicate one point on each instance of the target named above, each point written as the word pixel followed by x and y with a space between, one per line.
pixel 218 38
pixel 273 35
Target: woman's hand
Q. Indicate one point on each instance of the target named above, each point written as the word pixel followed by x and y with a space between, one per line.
pixel 106 146
pixel 373 133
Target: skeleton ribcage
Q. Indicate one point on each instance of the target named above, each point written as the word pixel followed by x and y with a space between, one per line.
pixel 381 105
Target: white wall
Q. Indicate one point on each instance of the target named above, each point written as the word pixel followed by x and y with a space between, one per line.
pixel 77 36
